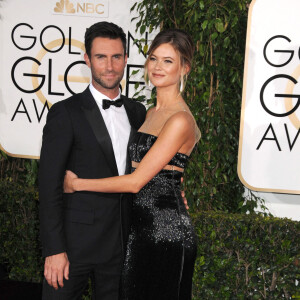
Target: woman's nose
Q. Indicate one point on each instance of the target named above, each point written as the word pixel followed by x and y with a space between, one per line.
pixel 157 65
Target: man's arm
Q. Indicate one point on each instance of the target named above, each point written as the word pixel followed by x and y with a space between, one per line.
pixel 56 147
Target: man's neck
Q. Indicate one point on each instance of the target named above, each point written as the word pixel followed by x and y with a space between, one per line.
pixel 110 93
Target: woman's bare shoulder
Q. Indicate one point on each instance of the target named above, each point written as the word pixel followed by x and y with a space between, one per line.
pixel 182 121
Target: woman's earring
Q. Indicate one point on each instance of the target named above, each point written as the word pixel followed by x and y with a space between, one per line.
pixel 181 86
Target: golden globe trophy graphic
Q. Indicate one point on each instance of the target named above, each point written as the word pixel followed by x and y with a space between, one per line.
pixel 269 145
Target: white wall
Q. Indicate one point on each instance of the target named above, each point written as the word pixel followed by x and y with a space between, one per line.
pixel 282 205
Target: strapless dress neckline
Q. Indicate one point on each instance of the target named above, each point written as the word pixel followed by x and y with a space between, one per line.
pixel 155 136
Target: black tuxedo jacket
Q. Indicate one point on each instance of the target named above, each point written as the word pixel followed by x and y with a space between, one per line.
pixel 86 225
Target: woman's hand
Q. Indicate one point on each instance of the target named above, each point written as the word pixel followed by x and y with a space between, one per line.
pixel 68 182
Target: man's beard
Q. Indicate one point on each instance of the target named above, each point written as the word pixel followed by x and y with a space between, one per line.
pixel 107 84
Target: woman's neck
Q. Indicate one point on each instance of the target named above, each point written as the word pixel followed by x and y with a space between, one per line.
pixel 166 97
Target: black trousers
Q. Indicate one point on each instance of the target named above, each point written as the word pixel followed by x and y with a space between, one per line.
pixel 105 282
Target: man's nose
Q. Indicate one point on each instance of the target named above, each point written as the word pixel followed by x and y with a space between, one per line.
pixel 109 64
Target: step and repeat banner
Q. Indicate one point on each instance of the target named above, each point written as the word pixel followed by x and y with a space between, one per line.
pixel 41 52
pixel 269 148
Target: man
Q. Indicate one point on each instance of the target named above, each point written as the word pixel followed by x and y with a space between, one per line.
pixel 83 234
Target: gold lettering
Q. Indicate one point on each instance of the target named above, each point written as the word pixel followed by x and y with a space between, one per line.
pixel 80 7
pixel 98 10
pixel 89 8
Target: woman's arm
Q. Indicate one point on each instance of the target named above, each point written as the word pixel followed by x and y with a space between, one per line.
pixel 177 132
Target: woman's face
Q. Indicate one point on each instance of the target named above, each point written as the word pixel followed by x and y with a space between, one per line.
pixel 164 68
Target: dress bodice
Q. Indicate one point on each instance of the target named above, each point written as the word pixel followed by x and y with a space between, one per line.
pixel 141 144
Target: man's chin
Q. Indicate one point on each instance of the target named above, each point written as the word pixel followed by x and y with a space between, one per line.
pixel 108 85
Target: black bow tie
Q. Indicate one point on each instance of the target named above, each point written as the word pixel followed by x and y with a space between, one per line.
pixel 107 103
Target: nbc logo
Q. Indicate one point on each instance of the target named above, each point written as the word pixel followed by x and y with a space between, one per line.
pixel 84 8
pixel 66 6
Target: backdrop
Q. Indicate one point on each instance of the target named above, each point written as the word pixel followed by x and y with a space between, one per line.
pixel 42 62
pixel 269 145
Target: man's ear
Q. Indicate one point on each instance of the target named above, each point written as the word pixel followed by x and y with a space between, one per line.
pixel 87 60
pixel 125 59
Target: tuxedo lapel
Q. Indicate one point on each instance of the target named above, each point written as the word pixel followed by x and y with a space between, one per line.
pixel 95 119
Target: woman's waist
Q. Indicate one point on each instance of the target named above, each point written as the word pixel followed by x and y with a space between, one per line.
pixel 166 177
pixel 170 167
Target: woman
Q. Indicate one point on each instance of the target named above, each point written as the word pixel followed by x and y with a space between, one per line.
pixel 161 249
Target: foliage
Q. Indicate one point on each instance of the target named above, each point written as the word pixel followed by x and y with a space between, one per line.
pixel 239 256
pixel 246 257
pixel 213 92
pixel 19 231
pixel 19 225
pixel 18 169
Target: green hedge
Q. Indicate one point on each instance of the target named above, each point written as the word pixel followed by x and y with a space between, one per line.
pixel 19 231
pixel 239 256
pixel 246 257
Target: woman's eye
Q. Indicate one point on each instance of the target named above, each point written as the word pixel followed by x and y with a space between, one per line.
pixel 168 61
pixel 152 58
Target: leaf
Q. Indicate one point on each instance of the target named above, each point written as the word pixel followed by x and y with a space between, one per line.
pixel 142 29
pixel 204 24
pixel 145 48
pixel 219 26
pixel 214 36
pixel 134 72
pixel 226 42
pixel 133 7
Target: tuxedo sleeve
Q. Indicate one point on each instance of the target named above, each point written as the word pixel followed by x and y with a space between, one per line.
pixel 56 148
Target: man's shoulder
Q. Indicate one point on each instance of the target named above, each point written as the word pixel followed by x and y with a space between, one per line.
pixel 138 105
pixel 71 102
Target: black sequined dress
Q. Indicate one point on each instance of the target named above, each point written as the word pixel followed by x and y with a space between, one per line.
pixel 162 245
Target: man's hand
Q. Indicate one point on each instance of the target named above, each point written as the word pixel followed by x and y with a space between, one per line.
pixel 183 197
pixel 56 269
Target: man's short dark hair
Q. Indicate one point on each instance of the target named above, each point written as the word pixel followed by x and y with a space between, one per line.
pixel 105 30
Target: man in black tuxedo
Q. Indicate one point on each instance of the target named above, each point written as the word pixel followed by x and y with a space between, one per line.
pixel 84 234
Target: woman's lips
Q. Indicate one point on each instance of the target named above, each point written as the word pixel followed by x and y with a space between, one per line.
pixel 157 75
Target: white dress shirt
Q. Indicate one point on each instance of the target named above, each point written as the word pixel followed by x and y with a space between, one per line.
pixel 118 126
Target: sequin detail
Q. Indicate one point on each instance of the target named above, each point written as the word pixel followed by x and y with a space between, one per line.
pixel 161 249
pixel 143 142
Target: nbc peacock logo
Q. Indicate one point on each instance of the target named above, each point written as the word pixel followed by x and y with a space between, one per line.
pixel 64 6
pixel 82 8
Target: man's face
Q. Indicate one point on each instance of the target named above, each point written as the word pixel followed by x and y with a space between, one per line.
pixel 107 63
